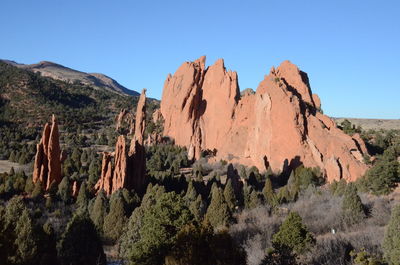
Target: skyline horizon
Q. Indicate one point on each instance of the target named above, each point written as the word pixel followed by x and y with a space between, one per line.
pixel 348 49
pixel 207 65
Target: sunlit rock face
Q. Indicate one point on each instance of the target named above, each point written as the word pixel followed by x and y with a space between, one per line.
pixel 47 166
pixel 279 126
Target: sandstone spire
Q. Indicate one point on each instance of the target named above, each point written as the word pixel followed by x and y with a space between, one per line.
pixel 105 181
pixel 140 121
pixel 47 166
pixel 279 123
pixel 129 166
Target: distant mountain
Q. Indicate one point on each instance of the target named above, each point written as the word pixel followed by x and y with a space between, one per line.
pixel 60 72
pixel 373 124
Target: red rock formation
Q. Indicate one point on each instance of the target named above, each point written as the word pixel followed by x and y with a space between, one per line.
pixel 280 123
pixel 153 139
pixel 125 117
pixel 137 154
pixel 54 154
pixel 121 164
pixel 140 121
pixel 47 166
pixel 129 167
pixel 105 181
pixel 75 189
pixel 157 116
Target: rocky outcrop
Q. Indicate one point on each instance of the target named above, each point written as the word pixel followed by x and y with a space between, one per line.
pixel 279 126
pixel 140 121
pixel 75 189
pixel 47 166
pixel 129 165
pixel 153 139
pixel 125 120
pixel 157 116
pixel 105 180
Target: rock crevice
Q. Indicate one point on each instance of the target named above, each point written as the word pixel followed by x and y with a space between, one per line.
pixel 47 165
pixel 281 121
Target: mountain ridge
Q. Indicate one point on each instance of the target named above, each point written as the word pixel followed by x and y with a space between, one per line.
pixel 63 73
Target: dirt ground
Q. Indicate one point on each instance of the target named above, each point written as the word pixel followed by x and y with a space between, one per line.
pixel 375 124
pixel 5 166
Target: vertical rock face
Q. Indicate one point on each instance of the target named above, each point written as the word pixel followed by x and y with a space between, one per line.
pixel 105 181
pixel 47 166
pixel 278 126
pixel 137 154
pixel 157 116
pixel 120 168
pixel 54 154
pixel 140 122
pixel 129 166
pixel 182 104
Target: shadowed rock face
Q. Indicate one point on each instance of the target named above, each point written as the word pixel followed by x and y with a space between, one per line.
pixel 129 166
pixel 278 126
pixel 47 166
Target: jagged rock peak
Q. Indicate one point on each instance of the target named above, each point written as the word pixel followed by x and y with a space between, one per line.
pixel 280 123
pixel 140 123
pixel 129 166
pixel 47 166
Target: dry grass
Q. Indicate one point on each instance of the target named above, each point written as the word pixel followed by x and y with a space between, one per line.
pixel 5 166
pixel 374 124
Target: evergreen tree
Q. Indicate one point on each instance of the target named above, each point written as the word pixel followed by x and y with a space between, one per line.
pixel 201 246
pixel 153 227
pixel 83 197
pixel 26 241
pixel 37 192
pixel 191 194
pixel 64 190
pixel 18 240
pixel 198 208
pixel 391 241
pixel 352 207
pixel 218 213
pixel 229 195
pixel 115 220
pixel 293 235
pixel 382 178
pixel 29 186
pixel 246 196
pixel 99 211
pixel 268 192
pixel 12 156
pixel 341 187
pixel 254 200
pixel 80 244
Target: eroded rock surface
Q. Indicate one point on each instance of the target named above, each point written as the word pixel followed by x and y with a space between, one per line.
pixel 129 166
pixel 279 123
pixel 47 166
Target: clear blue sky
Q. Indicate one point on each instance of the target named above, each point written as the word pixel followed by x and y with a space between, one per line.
pixel 350 49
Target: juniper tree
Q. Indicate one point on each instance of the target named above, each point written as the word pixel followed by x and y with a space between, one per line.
pixel 391 241
pixel 115 220
pixel 99 211
pixel 293 234
pixel 64 190
pixel 352 207
pixel 229 195
pixel 268 192
pixel 218 213
pixel 80 243
pixel 83 197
